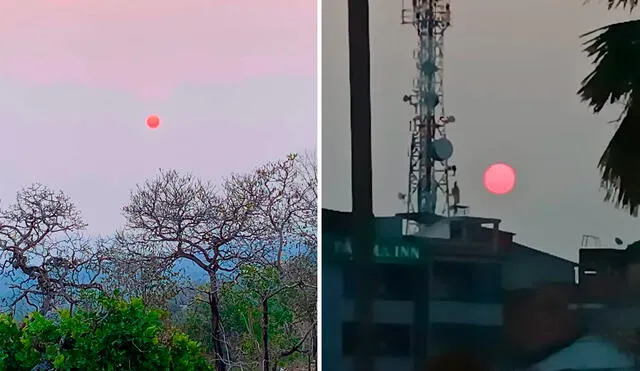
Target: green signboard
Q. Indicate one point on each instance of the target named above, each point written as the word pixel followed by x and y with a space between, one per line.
pixel 383 251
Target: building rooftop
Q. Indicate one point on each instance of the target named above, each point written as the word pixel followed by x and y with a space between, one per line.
pixel 540 252
pixel 427 218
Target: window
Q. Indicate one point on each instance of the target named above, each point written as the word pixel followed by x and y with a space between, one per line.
pixel 392 282
pixel 390 340
pixel 464 281
pixel 394 340
pixel 455 230
pixel 464 336
pixel 350 338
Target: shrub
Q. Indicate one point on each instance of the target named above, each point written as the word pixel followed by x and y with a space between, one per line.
pixel 112 334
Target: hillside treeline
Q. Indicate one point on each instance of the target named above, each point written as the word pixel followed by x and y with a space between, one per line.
pixel 223 274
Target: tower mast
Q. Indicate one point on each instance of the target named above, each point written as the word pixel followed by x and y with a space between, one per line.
pixel 430 149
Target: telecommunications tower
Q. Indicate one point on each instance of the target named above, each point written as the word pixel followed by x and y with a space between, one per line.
pixel 429 170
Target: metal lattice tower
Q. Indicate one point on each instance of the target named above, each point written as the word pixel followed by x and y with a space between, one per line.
pixel 429 170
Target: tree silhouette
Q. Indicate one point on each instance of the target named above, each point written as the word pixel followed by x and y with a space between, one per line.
pixel 615 50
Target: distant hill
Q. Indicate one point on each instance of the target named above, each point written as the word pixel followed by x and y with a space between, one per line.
pixel 189 269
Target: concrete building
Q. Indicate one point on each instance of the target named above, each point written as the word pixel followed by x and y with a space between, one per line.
pixel 448 281
pixel 590 325
pixel 609 288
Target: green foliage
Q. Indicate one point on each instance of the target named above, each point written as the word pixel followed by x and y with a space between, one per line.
pixel 112 335
pixel 186 354
pixel 13 351
pixel 242 311
pixel 195 321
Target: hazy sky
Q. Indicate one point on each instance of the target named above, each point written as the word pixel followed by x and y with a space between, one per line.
pixel 232 81
pixel 512 69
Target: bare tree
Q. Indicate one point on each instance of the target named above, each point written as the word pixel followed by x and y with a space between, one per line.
pixel 134 276
pixel 307 219
pixel 299 276
pixel 266 290
pixel 277 309
pixel 288 215
pixel 289 218
pixel 43 250
pixel 253 217
pixel 185 218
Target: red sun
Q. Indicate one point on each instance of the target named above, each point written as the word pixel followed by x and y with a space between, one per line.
pixel 499 179
pixel 153 121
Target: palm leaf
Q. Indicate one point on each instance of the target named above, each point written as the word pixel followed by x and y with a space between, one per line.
pixel 624 4
pixel 630 4
pixel 615 50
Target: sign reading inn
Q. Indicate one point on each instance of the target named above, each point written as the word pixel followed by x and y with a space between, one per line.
pixel 389 252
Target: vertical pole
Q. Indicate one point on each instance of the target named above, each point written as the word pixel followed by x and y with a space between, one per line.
pixel 361 175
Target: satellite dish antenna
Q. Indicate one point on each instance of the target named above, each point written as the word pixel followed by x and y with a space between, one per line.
pixel 442 149
pixel 618 241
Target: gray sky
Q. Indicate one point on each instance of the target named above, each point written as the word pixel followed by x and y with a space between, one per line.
pixel 512 69
pixel 76 89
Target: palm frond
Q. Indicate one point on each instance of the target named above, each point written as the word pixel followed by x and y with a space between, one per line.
pixel 630 4
pixel 624 4
pixel 619 165
pixel 615 50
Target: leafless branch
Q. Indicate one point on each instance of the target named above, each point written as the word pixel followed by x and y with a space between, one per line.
pixel 44 253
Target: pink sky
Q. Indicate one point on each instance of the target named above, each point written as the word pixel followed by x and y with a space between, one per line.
pixel 149 47
pixel 232 81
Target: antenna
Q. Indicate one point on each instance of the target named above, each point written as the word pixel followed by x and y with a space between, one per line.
pixel 430 150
